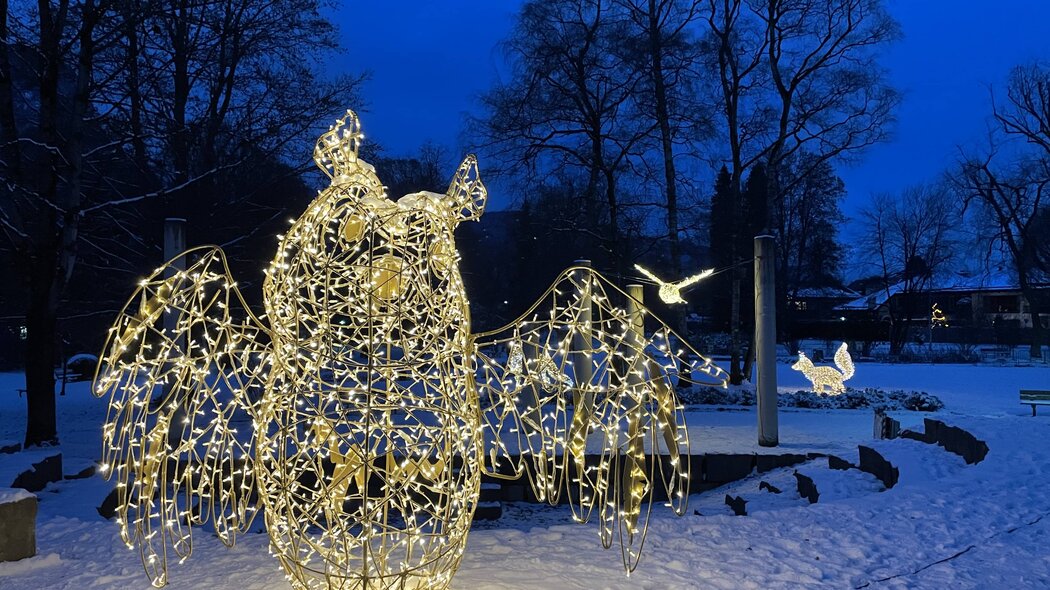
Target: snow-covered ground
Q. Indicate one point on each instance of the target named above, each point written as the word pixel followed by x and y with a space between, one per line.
pixel 945 525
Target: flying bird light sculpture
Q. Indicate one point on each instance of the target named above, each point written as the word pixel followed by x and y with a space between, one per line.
pixel 671 293
pixel 359 412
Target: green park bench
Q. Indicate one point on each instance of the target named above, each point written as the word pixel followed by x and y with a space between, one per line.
pixel 1035 397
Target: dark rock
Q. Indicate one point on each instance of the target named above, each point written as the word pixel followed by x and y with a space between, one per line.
pixel 83 473
pixel 726 468
pixel 737 504
pixel 766 463
pixel 807 488
pixel 765 485
pixel 874 463
pixel 839 463
pixel 11 448
pixel 18 533
pixel 46 471
pixel 108 508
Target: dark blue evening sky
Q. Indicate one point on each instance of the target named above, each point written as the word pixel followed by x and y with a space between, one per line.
pixel 429 60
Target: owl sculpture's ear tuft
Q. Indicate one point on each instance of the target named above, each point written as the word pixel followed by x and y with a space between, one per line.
pixel 467 193
pixel 336 150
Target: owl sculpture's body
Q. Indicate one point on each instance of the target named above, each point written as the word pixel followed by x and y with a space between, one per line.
pixel 371 329
pixel 359 412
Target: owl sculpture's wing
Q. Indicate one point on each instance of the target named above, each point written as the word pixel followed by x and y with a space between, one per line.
pixel 580 398
pixel 183 364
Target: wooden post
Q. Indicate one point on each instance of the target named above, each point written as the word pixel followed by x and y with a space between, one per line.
pixel 583 373
pixel 633 486
pixel 175 242
pixel 582 342
pixel 174 245
pixel 766 341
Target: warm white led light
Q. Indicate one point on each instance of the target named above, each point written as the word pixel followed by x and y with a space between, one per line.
pixel 937 317
pixel 359 413
pixel 830 378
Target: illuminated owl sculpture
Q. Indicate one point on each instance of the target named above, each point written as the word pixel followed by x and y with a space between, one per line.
pixel 359 413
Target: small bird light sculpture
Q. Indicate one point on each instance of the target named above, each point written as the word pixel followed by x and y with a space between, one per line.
pixel 360 412
pixel 671 293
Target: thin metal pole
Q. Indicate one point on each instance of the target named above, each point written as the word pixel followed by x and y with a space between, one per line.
pixel 766 341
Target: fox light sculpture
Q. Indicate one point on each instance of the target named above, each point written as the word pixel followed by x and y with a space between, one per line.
pixel 829 380
pixel 359 413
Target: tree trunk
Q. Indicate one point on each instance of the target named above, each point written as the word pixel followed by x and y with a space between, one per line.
pixel 55 249
pixel 663 120
pixel 138 141
pixel 617 247
pixel 666 144
pixel 8 130
pixel 898 335
pixel 40 357
pixel 735 375
pixel 1035 349
pixel 1035 307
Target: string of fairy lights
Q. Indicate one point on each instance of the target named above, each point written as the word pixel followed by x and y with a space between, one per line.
pixel 359 413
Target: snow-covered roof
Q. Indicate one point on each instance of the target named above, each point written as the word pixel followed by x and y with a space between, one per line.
pixel 993 280
pixel 871 300
pixel 958 281
pixel 827 292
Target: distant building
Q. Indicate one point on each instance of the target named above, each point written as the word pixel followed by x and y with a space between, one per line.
pixel 970 308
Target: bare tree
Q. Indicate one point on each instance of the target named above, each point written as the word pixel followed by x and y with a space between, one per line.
pixel 1009 185
pixel 736 46
pixel 1013 200
pixel 665 53
pixel 808 217
pixel 105 98
pixel 47 135
pixel 569 104
pixel 831 97
pixel 793 77
pixel 911 239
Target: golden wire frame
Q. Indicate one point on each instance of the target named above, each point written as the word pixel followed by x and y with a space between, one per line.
pixel 585 404
pixel 350 412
